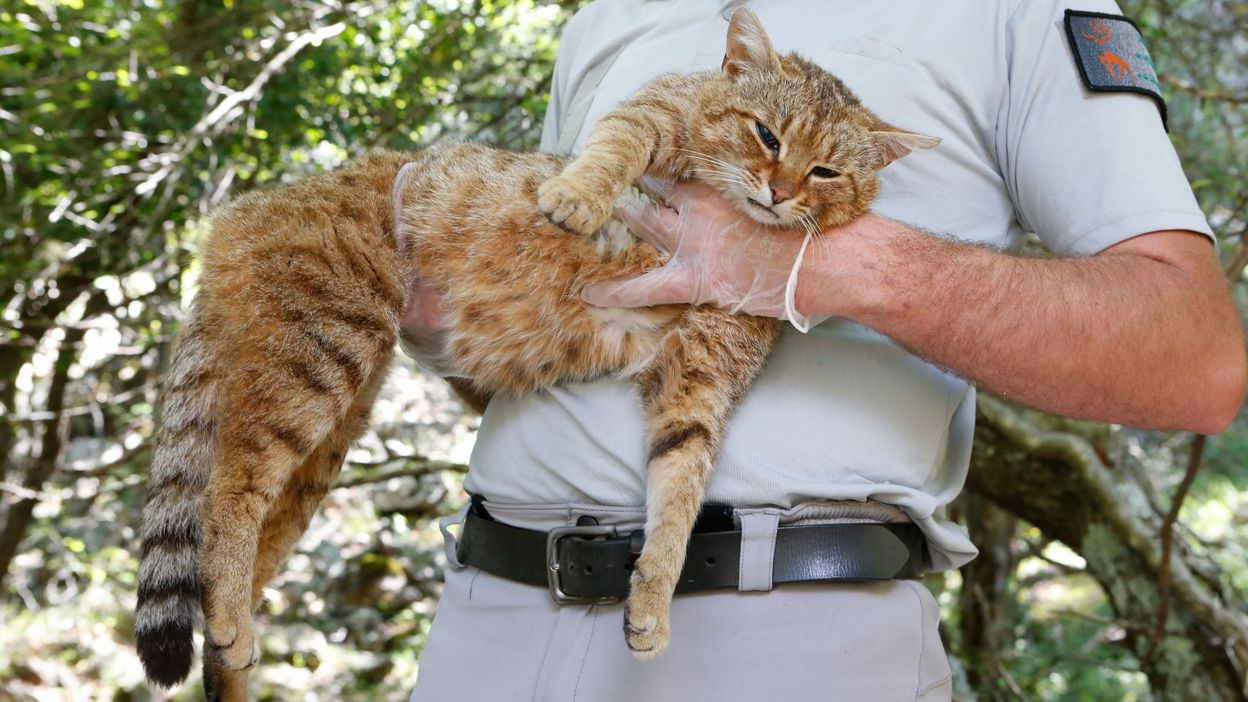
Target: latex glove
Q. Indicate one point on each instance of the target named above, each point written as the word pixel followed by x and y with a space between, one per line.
pixel 718 256
pixel 422 328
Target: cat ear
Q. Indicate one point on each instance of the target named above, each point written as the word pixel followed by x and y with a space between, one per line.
pixel 749 49
pixel 893 144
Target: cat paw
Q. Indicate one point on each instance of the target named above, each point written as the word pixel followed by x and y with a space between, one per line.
pixel 647 627
pixel 233 640
pixel 573 205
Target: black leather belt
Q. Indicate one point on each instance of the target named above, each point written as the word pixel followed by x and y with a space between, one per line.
pixel 591 563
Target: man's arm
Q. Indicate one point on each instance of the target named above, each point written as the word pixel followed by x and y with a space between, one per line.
pixel 1143 333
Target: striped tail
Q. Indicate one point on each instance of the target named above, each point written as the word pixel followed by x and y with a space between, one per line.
pixel 169 602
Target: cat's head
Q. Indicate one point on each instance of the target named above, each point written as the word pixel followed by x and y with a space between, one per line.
pixel 785 140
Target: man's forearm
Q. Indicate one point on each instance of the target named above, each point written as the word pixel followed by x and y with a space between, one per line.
pixel 1131 336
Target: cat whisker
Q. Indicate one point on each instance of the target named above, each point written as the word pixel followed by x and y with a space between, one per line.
pixel 804 223
pixel 722 177
pixel 712 174
pixel 715 161
pixel 807 221
pixel 704 155
pixel 820 238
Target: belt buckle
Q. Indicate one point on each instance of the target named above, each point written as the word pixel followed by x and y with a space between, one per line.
pixel 553 537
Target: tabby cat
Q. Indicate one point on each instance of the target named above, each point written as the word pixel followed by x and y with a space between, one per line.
pixel 303 286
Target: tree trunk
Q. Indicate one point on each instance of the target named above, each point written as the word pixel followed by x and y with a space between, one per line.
pixel 52 444
pixel 1058 482
pixel 984 596
pixel 18 517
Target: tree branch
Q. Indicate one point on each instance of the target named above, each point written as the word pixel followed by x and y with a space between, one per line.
pixel 1180 84
pixel 224 111
pixel 1167 544
pixel 417 466
pixel 1126 512
pixel 96 470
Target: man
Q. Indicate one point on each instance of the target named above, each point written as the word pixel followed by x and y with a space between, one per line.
pixel 867 419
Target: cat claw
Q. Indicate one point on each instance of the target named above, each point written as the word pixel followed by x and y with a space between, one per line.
pixel 234 643
pixel 646 624
pixel 645 635
pixel 567 206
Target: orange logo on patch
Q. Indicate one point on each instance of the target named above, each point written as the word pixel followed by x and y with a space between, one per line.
pixel 1118 69
pixel 1101 33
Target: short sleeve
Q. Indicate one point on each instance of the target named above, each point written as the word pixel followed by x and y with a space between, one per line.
pixel 556 107
pixel 1085 170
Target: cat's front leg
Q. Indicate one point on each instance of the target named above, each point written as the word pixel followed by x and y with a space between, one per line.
pixel 619 150
pixel 576 204
pixel 689 390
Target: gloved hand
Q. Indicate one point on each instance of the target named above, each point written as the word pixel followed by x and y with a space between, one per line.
pixel 718 256
pixel 422 328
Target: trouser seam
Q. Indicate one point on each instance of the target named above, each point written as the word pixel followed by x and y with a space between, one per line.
pixel 541 668
pixel 593 626
pixel 918 672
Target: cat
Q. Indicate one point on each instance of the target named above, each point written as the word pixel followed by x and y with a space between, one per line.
pixel 302 288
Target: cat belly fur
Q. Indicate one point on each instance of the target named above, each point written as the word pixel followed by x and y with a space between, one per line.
pixel 513 279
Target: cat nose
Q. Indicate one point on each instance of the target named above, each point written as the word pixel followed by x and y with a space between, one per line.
pixel 779 194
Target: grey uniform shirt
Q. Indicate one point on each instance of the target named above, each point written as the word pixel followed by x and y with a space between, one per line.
pixel 843 413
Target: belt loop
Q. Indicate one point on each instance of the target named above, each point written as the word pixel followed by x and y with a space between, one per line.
pixel 449 542
pixel 758 548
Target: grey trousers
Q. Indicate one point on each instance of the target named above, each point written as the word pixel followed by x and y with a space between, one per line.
pixel 494 639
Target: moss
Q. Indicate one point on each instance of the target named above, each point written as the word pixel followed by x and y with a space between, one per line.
pixel 1184 668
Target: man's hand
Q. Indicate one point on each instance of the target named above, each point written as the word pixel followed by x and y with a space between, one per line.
pixel 718 257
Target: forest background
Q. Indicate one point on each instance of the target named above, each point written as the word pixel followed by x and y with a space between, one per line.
pixel 1113 561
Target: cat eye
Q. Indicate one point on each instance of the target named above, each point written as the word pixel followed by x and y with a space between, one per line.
pixel 768 138
pixel 821 172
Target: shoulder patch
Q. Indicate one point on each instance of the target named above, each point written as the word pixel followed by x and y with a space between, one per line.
pixel 1111 56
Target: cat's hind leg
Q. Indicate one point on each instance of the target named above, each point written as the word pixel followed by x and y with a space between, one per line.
pixel 689 391
pixel 286 521
pixel 310 341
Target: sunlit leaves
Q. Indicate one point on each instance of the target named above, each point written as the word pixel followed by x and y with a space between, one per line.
pixel 109 167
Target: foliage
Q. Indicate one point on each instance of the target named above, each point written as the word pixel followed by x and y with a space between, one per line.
pixel 122 124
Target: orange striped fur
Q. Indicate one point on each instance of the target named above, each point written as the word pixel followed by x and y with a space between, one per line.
pixel 303 285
